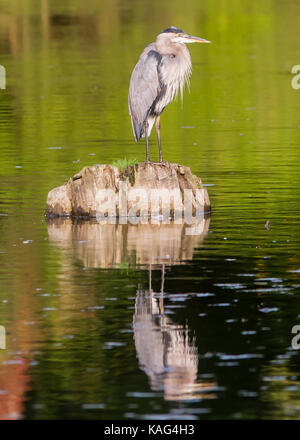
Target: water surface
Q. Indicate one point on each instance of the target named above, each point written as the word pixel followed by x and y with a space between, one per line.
pixel 131 321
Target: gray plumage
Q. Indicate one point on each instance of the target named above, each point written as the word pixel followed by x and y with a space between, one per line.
pixel 163 69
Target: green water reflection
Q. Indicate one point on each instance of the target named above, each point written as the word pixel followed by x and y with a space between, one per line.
pixel 73 297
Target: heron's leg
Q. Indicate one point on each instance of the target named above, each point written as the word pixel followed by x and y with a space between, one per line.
pixel 157 126
pixel 147 141
pixel 162 287
pixel 150 278
pixel 161 299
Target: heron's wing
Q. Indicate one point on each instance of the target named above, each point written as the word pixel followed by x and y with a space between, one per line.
pixel 144 88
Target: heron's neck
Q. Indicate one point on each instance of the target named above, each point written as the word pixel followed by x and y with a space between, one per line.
pixel 176 67
pixel 182 53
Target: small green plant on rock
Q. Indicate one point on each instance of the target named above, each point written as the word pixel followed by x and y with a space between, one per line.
pixel 122 164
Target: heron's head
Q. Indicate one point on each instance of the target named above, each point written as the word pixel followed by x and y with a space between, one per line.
pixel 176 35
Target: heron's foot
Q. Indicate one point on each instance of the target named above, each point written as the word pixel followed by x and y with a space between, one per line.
pixel 148 161
pixel 166 163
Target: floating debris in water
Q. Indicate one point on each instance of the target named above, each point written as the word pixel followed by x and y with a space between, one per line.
pixel 173 306
pixel 226 357
pixel 95 308
pixel 110 345
pixel 178 298
pixel 227 364
pixel 93 406
pixel 219 305
pixel 269 309
pixel 202 295
pixel 38 406
pixel 142 395
pixel 273 378
pixel 230 285
pixel 13 362
pixel 131 415
pixel 292 388
pixel 93 370
pixel 27 241
pixel 273 280
pixel 34 363
pixel 246 393
pixel 267 225
pixel 54 148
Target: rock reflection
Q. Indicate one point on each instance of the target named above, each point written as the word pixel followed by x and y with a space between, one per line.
pixel 166 351
pixel 106 246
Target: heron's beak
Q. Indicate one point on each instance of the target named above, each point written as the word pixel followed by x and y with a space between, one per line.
pixel 190 39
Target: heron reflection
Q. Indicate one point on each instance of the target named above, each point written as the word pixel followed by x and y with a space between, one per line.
pixel 166 350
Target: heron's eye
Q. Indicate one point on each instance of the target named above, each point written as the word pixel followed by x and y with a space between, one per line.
pixel 172 56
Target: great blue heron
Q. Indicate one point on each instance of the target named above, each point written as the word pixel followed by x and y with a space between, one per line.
pixel 162 70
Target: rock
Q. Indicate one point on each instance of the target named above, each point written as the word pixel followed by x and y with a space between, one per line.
pixel 142 189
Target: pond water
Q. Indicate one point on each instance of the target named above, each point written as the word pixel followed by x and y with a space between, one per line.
pixel 123 321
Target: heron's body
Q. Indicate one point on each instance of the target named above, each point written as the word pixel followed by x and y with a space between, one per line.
pixel 163 69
